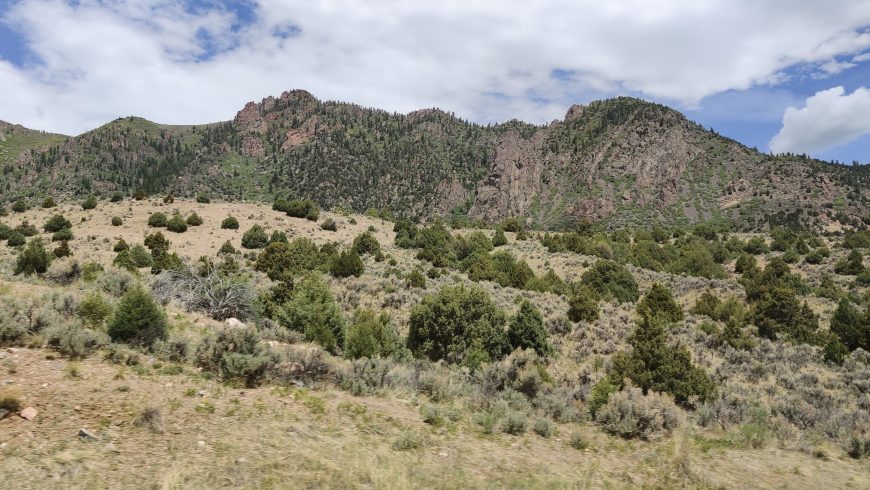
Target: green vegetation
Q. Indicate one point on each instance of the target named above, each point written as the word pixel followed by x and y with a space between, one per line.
pixel 138 320
pixel 255 238
pixel 311 310
pixel 459 324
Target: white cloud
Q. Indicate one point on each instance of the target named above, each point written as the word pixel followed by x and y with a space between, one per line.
pixel 830 118
pixel 485 60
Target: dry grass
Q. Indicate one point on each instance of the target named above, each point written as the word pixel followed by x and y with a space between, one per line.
pixel 275 438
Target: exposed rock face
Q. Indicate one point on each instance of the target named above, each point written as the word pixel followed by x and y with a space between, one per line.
pixel 514 178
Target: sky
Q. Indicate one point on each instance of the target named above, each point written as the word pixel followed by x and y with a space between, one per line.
pixel 778 75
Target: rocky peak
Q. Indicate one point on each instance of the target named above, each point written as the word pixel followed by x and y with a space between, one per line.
pixel 575 111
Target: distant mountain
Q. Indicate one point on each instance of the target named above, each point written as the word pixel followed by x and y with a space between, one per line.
pixel 620 161
pixel 16 139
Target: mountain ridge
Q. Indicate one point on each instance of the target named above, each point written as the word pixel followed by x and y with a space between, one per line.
pixel 620 161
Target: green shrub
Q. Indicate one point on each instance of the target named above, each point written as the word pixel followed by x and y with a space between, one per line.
pixel 90 270
pixel 121 246
pixel 659 302
pixel 176 224
pixel 347 263
pixel 583 305
pixel 851 265
pixel 654 365
pixel 26 229
pixel 34 259
pixel 158 220
pixel 140 256
pixel 89 203
pixel 600 394
pixel 228 248
pixel 194 220
pixel 20 206
pixel 235 354
pixel 140 195
pixel 138 320
pixel 415 279
pixel 117 197
pixel 16 239
pixel 5 231
pixel 298 208
pixel 48 202
pixel 94 310
pixel 282 260
pixel 370 335
pixel 706 304
pixel 255 238
pixel 366 244
pixel 498 238
pixel 311 309
pixel 458 324
pixel 62 250
pixel 612 280
pixel 168 199
pixel 116 221
pixel 328 225
pixel 202 198
pixel 526 330
pixel 230 223
pixel 56 223
pixel 756 246
pixel 63 235
pixel 278 237
pixel 852 328
pixel 157 243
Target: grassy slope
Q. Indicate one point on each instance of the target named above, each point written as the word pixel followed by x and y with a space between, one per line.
pixel 16 140
pixel 277 437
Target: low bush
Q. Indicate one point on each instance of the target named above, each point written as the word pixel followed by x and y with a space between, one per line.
pixel 138 320
pixel 370 335
pixel 116 221
pixel 116 197
pixel 94 310
pixel 63 235
pixel 194 220
pixel 48 202
pixel 63 271
pixel 230 223
pixel 583 305
pixel 75 342
pixel 235 354
pixel 328 225
pixel 347 263
pixel 526 330
pixel 611 280
pixel 631 414
pixel 157 220
pixel 56 223
pixel 415 279
pixel 176 224
pixel 459 324
pixel 20 206
pixel 202 198
pixel 255 238
pixel 89 203
pixel 34 259
pixel 366 244
pixel 62 250
pixel 311 309
pixel 15 239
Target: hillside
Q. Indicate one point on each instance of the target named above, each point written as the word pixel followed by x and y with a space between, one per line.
pixel 270 361
pixel 16 139
pixel 620 161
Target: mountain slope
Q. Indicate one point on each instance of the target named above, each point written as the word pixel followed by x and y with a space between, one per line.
pixel 16 139
pixel 621 161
